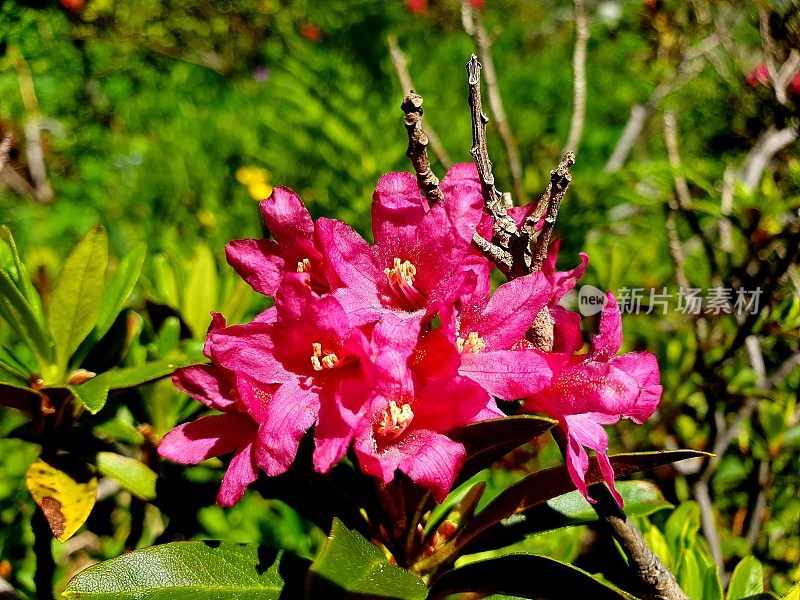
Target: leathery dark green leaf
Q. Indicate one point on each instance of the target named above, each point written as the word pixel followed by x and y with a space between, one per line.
pixel 192 570
pixel 525 576
pixel 351 567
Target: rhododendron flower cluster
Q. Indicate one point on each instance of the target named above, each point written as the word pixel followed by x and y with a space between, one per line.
pixel 383 348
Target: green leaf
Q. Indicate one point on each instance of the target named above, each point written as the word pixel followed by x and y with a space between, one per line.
pixel 487 441
pixel 642 498
pixel 691 575
pixel 150 371
pixel 201 294
pixel 94 393
pixel 119 288
pixel 524 576
pixel 549 483
pixel 166 281
pixel 134 476
pixel 24 283
pixel 197 570
pixel 348 566
pixel 682 527
pixel 21 318
pixel 75 301
pixel 747 579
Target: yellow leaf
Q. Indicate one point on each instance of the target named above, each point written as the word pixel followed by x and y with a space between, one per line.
pixel 65 499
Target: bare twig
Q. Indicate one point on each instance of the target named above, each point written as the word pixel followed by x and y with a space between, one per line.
pixel 495 200
pixel 5 150
pixel 417 151
pixel 726 206
pixel 510 246
pixel 682 191
pixel 401 67
pixel 767 41
pixel 691 65
pixel 789 365
pixel 768 145
pixel 655 579
pixel 759 506
pixel 675 248
pixel 708 521
pixel 784 76
pixel 560 179
pixel 473 25
pixel 579 68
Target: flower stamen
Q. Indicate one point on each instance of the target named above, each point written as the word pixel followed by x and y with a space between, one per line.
pixel 472 344
pixel 322 360
pixel 304 266
pixel 394 420
pixel 401 281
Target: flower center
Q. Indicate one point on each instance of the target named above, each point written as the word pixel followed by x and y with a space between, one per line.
pixel 394 420
pixel 472 345
pixel 322 360
pixel 304 266
pixel 401 281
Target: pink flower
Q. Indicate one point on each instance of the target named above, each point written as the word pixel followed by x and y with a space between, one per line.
pixel 758 76
pixel 242 402
pixel 417 7
pixel 567 336
pixel 405 424
pixel 421 255
pixel 589 391
pixel 308 345
pixel 794 85
pixel 263 262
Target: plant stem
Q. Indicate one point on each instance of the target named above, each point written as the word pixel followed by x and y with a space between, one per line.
pixel 43 549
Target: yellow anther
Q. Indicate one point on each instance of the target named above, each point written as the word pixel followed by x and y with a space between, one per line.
pixel 304 266
pixel 394 420
pixel 322 360
pixel 472 345
pixel 402 273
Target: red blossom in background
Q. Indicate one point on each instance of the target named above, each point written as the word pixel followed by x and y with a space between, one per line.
pixel 417 7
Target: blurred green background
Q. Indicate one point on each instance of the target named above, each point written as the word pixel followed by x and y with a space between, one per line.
pixel 166 121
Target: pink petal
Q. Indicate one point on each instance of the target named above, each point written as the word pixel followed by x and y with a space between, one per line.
pixel 608 340
pixel 567 337
pixel 458 175
pixel 563 281
pixel 215 435
pixel 508 374
pixel 287 217
pixel 351 258
pixel 254 395
pixel 510 311
pixel 304 318
pixel 444 404
pixel 584 432
pixel 217 322
pixel 642 367
pixel 207 384
pixel 396 205
pixel 292 411
pixel 431 460
pixel 332 435
pixel 240 474
pixel 258 262
pixel 247 348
